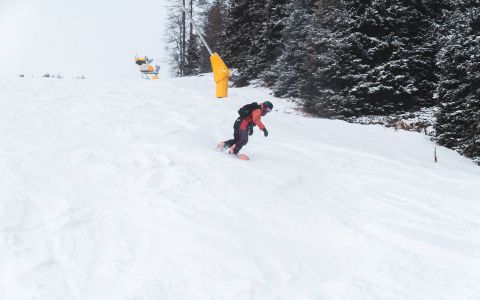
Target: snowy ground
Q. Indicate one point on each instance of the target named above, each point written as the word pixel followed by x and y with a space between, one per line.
pixel 112 190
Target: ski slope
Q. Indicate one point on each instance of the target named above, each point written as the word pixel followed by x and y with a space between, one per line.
pixel 113 190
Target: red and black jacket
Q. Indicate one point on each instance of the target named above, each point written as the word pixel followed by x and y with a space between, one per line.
pixel 254 118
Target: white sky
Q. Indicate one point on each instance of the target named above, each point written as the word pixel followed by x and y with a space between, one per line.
pixel 98 38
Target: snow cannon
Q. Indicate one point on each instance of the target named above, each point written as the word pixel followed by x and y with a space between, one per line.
pixel 146 69
pixel 220 74
pixel 140 60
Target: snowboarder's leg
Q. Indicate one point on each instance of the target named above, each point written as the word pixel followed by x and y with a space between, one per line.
pixel 242 140
pixel 229 143
pixel 236 136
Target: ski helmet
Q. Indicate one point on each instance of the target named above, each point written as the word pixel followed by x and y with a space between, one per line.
pixel 268 106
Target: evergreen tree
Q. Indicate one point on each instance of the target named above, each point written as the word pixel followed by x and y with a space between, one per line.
pixel 291 70
pixel 375 57
pixel 331 53
pixel 238 36
pixel 458 122
pixel 253 36
pixel 267 43
pixel 401 76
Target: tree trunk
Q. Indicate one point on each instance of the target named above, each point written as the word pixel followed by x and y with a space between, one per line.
pixel 183 44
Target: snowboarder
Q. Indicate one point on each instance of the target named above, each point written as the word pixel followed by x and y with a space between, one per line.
pixel 250 116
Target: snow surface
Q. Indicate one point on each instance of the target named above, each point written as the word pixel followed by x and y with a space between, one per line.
pixel 113 190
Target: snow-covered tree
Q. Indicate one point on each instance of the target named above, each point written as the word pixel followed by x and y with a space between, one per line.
pixel 267 43
pixel 238 35
pixel 253 36
pixel 290 71
pixel 332 65
pixel 458 122
pixel 376 57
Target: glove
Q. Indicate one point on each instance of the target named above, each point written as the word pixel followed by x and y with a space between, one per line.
pixel 250 130
pixel 265 132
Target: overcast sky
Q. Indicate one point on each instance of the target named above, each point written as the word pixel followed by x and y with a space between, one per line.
pixel 98 38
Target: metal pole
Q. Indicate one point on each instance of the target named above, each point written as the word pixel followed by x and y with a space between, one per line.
pixel 195 26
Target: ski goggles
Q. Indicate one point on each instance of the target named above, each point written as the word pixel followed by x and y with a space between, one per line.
pixel 268 109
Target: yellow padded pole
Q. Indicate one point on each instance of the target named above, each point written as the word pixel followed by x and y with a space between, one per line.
pixel 220 74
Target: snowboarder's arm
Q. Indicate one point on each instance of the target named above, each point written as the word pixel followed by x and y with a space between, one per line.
pixel 256 116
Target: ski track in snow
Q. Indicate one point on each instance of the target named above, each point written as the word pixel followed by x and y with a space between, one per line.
pixel 113 190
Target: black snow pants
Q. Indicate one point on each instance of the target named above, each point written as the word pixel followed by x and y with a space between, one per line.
pixel 240 137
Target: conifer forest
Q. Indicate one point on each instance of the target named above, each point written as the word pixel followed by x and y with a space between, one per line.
pixel 345 59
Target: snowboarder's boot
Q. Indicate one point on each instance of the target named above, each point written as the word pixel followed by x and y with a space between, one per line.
pixel 221 146
pixel 240 156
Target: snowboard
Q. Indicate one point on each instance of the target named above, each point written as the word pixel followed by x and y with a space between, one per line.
pixel 221 147
pixel 242 156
